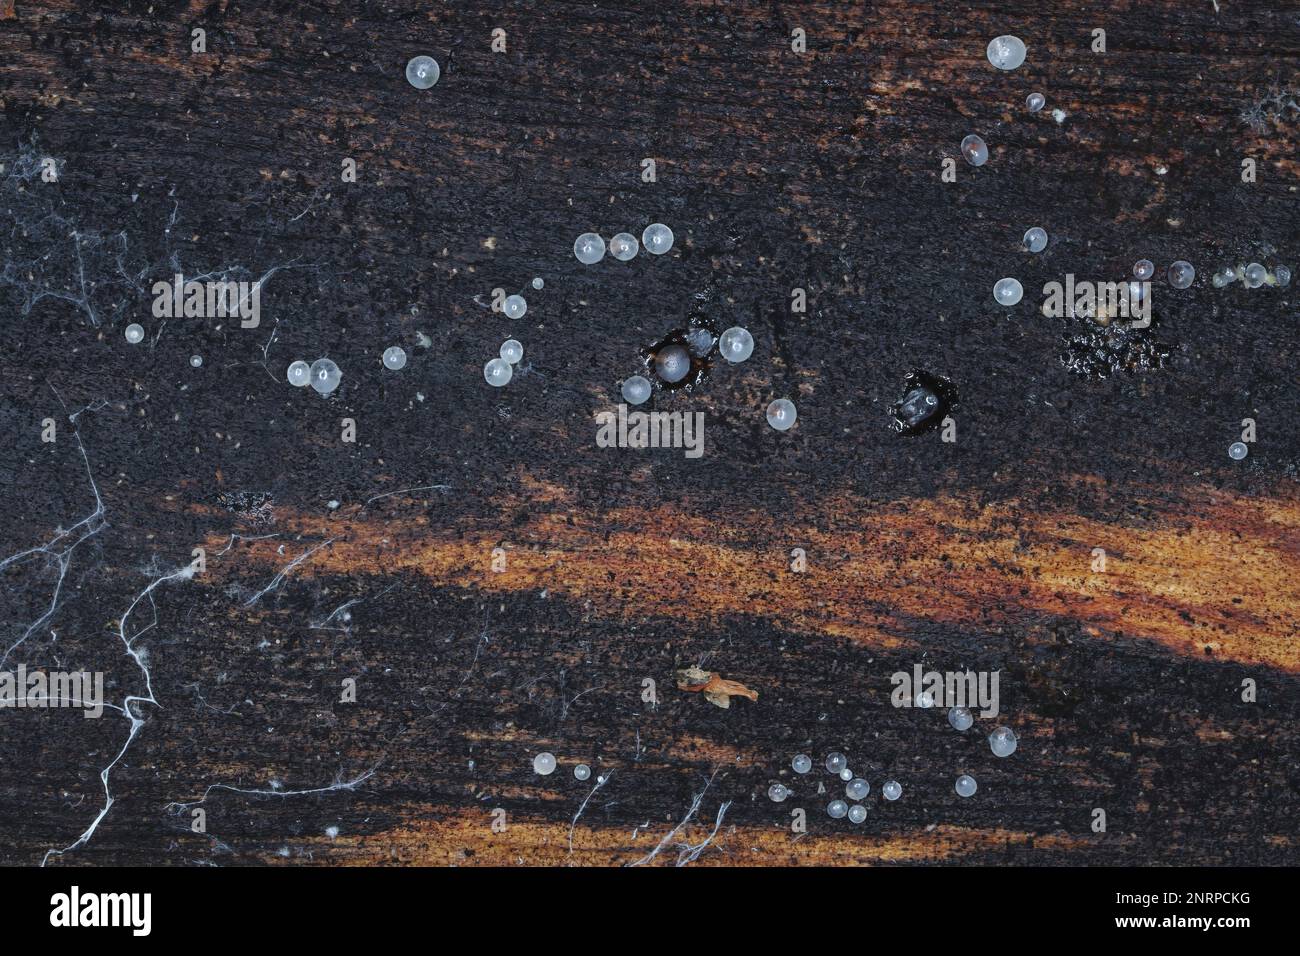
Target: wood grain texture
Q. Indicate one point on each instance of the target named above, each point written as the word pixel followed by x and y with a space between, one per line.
pixel 775 170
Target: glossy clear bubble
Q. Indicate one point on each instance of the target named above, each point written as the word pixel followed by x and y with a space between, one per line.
pixel 975 150
pixel 1181 274
pixel 512 350
pixel 1007 291
pixel 700 342
pixel 1254 276
pixel 966 785
pixel 299 374
pixel 657 238
pixel 777 793
pixel 325 376
pixel 857 813
pixel 1282 276
pixel 636 389
pixel 498 372
pixel 624 247
pixel 514 307
pixel 672 363
pixel 539 283
pixel 857 789
pixel 196 361
pixel 837 809
pixel 781 414
pixel 1144 269
pixel 736 344
pixel 961 718
pixel 582 771
pixel 1002 742
pixel 1035 239
pixel 836 761
pixel 1224 275
pixel 892 790
pixel 801 763
pixel 135 333
pixel 544 763
pixel 422 72
pixel 1238 450
pixel 924 700
pixel 589 248
pixel 395 358
pixel 1006 52
pixel 1035 102
pixel 846 774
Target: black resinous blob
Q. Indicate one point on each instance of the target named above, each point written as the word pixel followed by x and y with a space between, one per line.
pixel 927 400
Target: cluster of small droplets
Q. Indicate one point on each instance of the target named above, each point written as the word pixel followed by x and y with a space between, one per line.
pixel 589 248
pixel 499 371
pixel 322 375
pixel 781 414
pixel 1252 276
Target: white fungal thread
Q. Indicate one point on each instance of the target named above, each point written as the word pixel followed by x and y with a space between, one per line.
pixel 284 572
pixel 601 780
pixel 690 815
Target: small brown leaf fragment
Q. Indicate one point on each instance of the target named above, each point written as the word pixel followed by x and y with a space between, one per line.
pixel 7 10
pixel 716 690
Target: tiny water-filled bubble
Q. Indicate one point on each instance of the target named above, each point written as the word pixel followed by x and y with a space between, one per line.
pixel 196 361
pixel 624 247
pixel 512 350
pixel 135 333
pixel 1006 52
pixel 1238 450
pixel 1008 291
pixel 582 771
pixel 1254 275
pixel 514 307
pixel 325 376
pixel 422 72
pixel 395 358
pixel 1002 742
pixel 961 718
pixel 836 761
pixel 966 785
pixel 1144 269
pixel 657 238
pixel 1224 275
pixel 700 342
pixel 857 789
pixel 801 763
pixel 924 700
pixel 975 150
pixel 1282 276
pixel 857 813
pixel 1035 102
pixel 1181 274
pixel 892 790
pixel 736 344
pixel 672 363
pixel 781 414
pixel 539 283
pixel 299 373
pixel 636 389
pixel 846 774
pixel 498 372
pixel 544 763
pixel 777 793
pixel 837 809
pixel 1035 239
pixel 589 248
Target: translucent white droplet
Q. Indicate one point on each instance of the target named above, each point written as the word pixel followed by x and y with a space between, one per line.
pixel 582 771
pixel 1224 276
pixel 1007 291
pixel 498 372
pixel 1002 742
pixel 736 344
pixel 857 813
pixel 299 373
pixel 512 350
pixel 1181 274
pixel 395 358
pixel 325 376
pixel 672 363
pixel 1282 276
pixel 1254 276
pixel 836 761
pixel 1035 239
pixel 777 793
pixel 846 774
pixel 135 333
pixel 624 247
pixel 961 718
pixel 539 283
pixel 1006 52
pixel 837 809
pixel 422 72
pixel 514 307
pixel 589 248
pixel 196 361
pixel 857 789
pixel 636 389
pixel 544 763
pixel 966 785
pixel 1035 102
pixel 1238 450
pixel 1144 269
pixel 801 763
pixel 781 414
pixel 892 790
pixel 657 238
pixel 975 149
